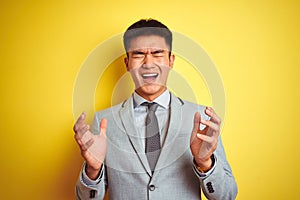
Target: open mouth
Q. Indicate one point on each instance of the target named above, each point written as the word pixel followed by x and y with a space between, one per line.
pixel 150 76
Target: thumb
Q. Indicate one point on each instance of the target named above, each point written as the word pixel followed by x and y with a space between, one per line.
pixel 197 119
pixel 103 126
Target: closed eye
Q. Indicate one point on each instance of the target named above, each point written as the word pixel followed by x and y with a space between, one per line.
pixel 158 53
pixel 137 54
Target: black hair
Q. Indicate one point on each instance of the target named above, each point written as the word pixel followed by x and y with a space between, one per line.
pixel 146 27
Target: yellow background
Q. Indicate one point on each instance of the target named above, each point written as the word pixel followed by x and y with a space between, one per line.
pixel 254 44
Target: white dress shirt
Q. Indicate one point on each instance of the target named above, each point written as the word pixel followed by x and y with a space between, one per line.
pixel 162 113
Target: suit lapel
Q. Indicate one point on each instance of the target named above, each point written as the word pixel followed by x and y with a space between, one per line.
pixel 126 114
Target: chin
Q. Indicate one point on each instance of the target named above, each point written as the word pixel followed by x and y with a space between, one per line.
pixel 151 90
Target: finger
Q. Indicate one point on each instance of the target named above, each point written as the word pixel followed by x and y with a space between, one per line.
pixel 81 118
pixel 197 119
pixel 211 125
pixel 78 140
pixel 81 137
pixel 83 130
pixel 215 118
pixel 205 138
pixel 212 114
pixel 85 140
pixel 80 122
pixel 87 145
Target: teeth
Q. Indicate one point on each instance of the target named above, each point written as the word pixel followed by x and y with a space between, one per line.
pixel 149 75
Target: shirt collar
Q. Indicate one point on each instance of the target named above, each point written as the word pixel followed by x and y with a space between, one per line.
pixel 162 100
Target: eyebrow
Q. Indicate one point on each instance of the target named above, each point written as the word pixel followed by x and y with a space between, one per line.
pixel 152 52
pixel 158 51
pixel 137 52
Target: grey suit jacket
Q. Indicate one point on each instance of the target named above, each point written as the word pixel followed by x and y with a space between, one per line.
pixel 127 173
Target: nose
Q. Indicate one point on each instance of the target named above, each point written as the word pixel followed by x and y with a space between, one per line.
pixel 148 60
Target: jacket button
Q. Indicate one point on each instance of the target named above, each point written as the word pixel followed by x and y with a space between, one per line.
pixel 210 187
pixel 93 194
pixel 151 187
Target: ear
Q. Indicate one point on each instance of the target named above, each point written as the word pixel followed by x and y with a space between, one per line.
pixel 172 59
pixel 126 63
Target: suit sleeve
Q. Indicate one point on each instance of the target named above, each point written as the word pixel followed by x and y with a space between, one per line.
pixel 87 188
pixel 219 182
pixel 90 189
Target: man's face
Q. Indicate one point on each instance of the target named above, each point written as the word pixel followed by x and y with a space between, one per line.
pixel 149 63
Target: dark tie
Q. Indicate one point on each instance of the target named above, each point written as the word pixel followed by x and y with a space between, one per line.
pixel 153 147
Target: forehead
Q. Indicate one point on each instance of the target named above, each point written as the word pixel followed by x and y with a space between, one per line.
pixel 148 42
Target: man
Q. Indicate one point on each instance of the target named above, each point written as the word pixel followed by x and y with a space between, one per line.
pixel 153 145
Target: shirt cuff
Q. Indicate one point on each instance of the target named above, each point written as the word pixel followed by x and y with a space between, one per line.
pixel 209 172
pixel 89 182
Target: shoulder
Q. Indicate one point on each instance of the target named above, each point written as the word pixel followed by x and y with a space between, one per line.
pixel 190 108
pixel 188 105
pixel 110 114
pixel 109 111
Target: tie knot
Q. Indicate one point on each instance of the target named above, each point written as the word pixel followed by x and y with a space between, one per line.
pixel 151 106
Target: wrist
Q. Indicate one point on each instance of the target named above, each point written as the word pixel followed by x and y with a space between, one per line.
pixel 205 165
pixel 91 172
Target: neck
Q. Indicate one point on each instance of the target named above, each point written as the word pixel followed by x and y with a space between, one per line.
pixel 151 97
